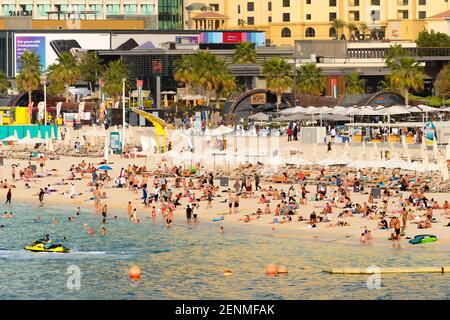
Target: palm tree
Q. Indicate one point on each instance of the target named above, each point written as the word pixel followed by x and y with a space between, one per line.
pixel 29 75
pixel 225 85
pixel 4 83
pixel 393 55
pixel 55 86
pixel 207 71
pixel 310 80
pixel 443 83
pixel 408 74
pixel 245 53
pixel 353 84
pixel 65 70
pixel 184 72
pixel 278 77
pixel 363 28
pixel 114 75
pixel 339 24
pixel 91 68
pixel 351 28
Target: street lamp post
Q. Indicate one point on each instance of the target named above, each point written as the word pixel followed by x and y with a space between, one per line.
pixel 44 83
pixel 123 112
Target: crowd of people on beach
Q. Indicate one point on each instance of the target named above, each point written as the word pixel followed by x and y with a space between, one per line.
pixel 167 188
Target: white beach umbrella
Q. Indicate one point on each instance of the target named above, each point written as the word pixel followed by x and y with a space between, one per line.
pixel 51 148
pixel 367 111
pixel 346 149
pixel 53 136
pixel 447 151
pixel 444 171
pixel 298 161
pixel 293 110
pixel 435 149
pixel 222 130
pixel 375 151
pixel 12 138
pixel 364 148
pixel 340 110
pixel 106 150
pixel 395 110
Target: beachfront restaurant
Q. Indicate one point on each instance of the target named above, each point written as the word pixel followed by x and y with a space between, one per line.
pixel 386 132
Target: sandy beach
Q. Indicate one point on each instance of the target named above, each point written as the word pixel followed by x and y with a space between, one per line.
pixel 117 200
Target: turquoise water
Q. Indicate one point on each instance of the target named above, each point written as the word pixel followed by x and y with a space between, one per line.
pixel 186 262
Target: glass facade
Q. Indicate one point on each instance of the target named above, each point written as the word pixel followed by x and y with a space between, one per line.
pixel 170 14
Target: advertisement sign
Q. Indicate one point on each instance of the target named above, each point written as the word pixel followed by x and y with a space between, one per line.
pixel 232 37
pixel 30 43
pixel 156 39
pixel 258 98
pixel 50 45
pixel 69 118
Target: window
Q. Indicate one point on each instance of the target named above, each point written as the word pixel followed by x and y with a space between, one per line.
pixel 332 3
pixel 7 8
pixel 286 33
pixel 422 14
pixel 375 15
pixel 239 8
pixel 332 16
pixel 113 9
pixel 308 16
pixel 250 6
pixel 97 8
pixel 43 9
pixel 286 3
pixel 269 6
pixel 375 2
pixel 251 21
pixel 355 15
pixel 147 9
pixel 215 6
pixel 333 32
pixel 286 17
pixel 78 7
pixel 310 33
pixel 269 19
pixel 422 2
pixel 308 1
pixel 130 9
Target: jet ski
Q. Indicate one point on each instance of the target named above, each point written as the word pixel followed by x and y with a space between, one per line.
pixel 46 246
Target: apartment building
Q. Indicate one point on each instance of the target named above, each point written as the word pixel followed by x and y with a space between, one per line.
pixel 94 9
pixel 287 20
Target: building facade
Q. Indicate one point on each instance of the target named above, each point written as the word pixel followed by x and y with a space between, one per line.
pixel 287 20
pixel 170 14
pixel 94 9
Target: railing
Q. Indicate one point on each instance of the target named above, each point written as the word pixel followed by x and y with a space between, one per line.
pixel 379 53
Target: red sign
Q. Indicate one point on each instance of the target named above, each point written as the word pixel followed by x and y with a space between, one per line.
pixel 140 83
pixel 232 37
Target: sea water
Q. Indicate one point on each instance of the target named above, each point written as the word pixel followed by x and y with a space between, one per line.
pixel 187 262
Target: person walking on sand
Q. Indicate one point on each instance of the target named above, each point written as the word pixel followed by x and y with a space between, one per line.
pixel 257 186
pixel 329 146
pixel 13 173
pixel 130 210
pixel 8 196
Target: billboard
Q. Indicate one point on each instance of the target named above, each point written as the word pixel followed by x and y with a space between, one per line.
pixel 50 45
pixel 29 43
pixel 256 37
pixel 156 39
